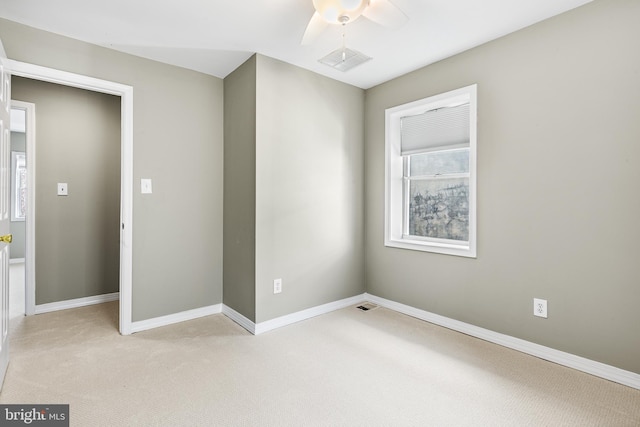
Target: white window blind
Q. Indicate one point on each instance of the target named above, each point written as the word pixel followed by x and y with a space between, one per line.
pixel 446 127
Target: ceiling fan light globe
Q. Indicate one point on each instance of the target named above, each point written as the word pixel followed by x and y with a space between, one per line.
pixel 331 14
pixel 351 5
pixel 333 11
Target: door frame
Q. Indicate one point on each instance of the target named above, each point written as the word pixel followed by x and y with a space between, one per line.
pixel 125 92
pixel 30 252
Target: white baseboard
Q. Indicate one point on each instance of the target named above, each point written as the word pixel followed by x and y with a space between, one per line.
pixel 592 367
pixel 75 303
pixel 170 319
pixel 239 319
pixel 279 322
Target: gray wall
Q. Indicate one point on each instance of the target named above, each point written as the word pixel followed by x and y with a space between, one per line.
pixel 78 142
pixel 18 229
pixel 239 189
pixel 309 189
pixel 557 209
pixel 558 205
pixel 178 142
pixel 293 189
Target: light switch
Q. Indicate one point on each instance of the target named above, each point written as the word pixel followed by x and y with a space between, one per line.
pixel 145 186
pixel 63 189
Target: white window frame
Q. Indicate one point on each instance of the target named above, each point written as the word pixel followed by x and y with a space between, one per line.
pixel 18 198
pixel 394 177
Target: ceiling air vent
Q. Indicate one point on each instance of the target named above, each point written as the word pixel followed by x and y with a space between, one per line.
pixel 344 59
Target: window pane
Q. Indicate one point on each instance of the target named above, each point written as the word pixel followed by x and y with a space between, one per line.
pixel 440 162
pixel 439 208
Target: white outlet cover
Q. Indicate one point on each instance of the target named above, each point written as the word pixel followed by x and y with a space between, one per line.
pixel 277 286
pixel 63 189
pixel 540 307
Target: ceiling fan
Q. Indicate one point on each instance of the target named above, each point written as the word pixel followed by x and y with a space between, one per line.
pixel 342 12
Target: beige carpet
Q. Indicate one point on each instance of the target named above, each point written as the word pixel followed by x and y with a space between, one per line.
pixel 346 368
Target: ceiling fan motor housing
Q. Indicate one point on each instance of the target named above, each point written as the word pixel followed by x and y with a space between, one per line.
pixel 340 11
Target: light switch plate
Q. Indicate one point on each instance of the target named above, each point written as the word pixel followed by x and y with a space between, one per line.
pixel 63 189
pixel 145 186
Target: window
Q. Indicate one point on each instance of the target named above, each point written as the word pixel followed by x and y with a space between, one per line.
pixel 430 202
pixel 19 186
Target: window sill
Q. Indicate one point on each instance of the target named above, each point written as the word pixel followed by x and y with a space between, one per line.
pixel 433 247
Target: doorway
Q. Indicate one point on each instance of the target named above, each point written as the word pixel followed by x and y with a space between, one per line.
pixel 126 167
pixel 78 148
pixel 22 134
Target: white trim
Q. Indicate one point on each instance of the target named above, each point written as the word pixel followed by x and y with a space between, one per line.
pixel 16 261
pixel 126 213
pixel 279 322
pixel 170 319
pixel 30 220
pixel 592 367
pixel 394 192
pixel 66 78
pixel 126 192
pixel 15 156
pixel 298 316
pixel 75 303
pixel 239 319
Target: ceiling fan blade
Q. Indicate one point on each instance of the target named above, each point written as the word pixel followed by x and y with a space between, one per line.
pixel 316 26
pixel 385 13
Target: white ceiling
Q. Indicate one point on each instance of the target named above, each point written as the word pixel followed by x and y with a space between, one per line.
pixel 216 36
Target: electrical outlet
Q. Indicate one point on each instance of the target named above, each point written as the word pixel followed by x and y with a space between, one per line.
pixel 540 307
pixel 277 286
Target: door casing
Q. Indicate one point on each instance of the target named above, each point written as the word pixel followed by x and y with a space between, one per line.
pixel 125 93
pixel 29 294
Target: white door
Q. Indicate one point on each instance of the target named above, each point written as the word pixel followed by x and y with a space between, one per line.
pixel 5 236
